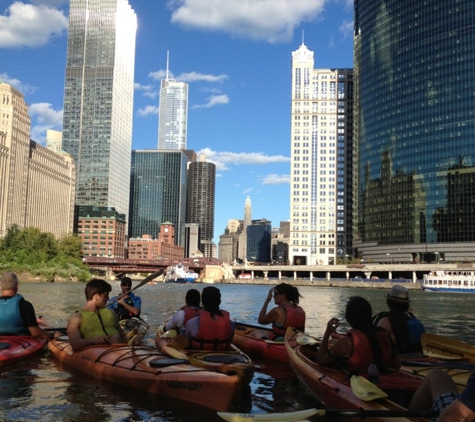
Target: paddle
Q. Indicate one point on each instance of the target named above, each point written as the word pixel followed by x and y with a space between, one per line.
pixel 329 413
pixel 150 277
pixel 449 364
pixel 442 347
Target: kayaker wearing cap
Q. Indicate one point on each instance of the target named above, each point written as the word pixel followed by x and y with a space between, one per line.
pixel 405 329
pixel 127 305
pixel 17 315
pixel 95 324
pixel 287 313
pixel 212 329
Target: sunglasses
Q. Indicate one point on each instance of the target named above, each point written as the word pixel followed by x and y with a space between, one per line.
pixel 126 285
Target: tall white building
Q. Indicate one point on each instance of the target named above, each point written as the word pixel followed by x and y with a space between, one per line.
pixel 173 114
pixel 247 213
pixel 98 100
pixel 321 162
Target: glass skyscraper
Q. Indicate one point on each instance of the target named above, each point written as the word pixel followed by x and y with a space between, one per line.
pixel 98 100
pixel 415 130
pixel 158 193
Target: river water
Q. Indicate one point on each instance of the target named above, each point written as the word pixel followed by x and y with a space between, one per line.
pixel 43 390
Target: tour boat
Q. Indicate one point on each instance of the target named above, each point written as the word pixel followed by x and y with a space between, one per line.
pixel 460 281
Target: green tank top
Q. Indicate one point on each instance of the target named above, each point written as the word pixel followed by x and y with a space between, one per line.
pixel 96 325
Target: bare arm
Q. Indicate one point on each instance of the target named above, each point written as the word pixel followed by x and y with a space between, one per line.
pixel 341 349
pixel 40 333
pixel 456 412
pixel 386 324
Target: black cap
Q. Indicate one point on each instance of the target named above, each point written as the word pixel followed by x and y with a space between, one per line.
pixel 125 280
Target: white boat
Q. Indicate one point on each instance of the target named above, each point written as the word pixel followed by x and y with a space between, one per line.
pixel 180 274
pixel 459 281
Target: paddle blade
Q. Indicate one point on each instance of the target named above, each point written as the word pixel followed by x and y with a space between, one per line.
pixel 278 417
pixel 446 348
pixel 169 334
pixel 365 389
pixel 304 340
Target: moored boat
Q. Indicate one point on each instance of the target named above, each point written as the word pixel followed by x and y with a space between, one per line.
pixel 17 348
pixel 258 348
pixel 459 281
pixel 333 387
pixel 232 361
pixel 145 368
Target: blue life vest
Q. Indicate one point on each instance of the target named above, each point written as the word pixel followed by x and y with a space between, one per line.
pixel 416 329
pixel 10 317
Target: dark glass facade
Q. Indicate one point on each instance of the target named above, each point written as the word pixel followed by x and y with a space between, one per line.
pixel 158 193
pixel 415 128
pixel 259 241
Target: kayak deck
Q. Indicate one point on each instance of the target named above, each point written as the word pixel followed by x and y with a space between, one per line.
pixel 258 348
pixel 17 348
pixel 144 368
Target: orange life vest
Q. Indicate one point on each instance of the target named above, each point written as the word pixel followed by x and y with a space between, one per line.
pixel 362 354
pixel 214 333
pixel 190 312
pixel 295 317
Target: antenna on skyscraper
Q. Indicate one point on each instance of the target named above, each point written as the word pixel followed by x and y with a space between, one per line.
pixel 303 36
pixel 166 75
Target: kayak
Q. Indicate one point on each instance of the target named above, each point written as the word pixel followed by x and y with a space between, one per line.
pixel 145 368
pixel 334 388
pixel 232 361
pixel 458 370
pixel 258 348
pixel 17 348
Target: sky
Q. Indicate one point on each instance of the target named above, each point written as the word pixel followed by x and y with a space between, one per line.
pixel 234 54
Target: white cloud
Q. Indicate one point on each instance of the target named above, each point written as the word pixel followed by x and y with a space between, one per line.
pixel 150 91
pixel 188 77
pixel 27 25
pixel 224 159
pixel 160 74
pixel 50 2
pixel 346 28
pixel 276 179
pixel 271 20
pixel 43 118
pixel 147 111
pixel 214 100
pixel 17 84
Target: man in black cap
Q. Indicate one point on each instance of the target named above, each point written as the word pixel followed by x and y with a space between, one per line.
pixel 127 305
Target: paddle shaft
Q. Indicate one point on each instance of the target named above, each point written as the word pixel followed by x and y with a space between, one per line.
pixel 150 277
pixel 383 413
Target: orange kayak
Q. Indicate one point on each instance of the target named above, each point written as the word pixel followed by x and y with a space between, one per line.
pixel 333 387
pixel 17 348
pixel 258 348
pixel 144 368
pixel 232 361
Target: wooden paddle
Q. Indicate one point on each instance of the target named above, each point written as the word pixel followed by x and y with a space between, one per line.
pixel 329 413
pixel 442 347
pixel 150 277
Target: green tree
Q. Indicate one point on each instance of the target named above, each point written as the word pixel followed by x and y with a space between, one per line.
pixel 70 246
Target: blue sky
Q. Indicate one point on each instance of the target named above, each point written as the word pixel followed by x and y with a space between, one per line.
pixel 234 54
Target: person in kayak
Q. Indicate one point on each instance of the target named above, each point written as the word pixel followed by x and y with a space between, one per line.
pixel 439 392
pixel 127 305
pixel 212 329
pixel 362 345
pixel 181 317
pixel 287 313
pixel 17 315
pixel 95 324
pixel 405 329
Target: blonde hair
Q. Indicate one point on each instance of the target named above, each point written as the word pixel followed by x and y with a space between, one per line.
pixel 9 281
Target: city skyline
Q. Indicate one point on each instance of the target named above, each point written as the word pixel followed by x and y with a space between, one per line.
pixel 238 69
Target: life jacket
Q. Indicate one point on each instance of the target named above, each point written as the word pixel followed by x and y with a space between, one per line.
pixel 415 327
pixel 97 325
pixel 190 312
pixel 11 321
pixel 122 312
pixel 214 333
pixel 294 317
pixel 362 353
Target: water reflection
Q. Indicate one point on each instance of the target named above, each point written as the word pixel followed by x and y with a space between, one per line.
pixel 43 390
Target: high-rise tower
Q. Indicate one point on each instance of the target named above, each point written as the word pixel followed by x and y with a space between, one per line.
pixel 415 130
pixel 247 213
pixel 173 114
pixel 200 201
pixel 321 162
pixel 98 100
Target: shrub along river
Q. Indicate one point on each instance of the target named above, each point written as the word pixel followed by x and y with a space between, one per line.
pixel 43 390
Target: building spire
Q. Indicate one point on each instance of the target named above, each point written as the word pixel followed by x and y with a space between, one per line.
pixel 303 36
pixel 166 75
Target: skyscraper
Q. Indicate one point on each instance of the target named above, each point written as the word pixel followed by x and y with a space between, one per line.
pixel 247 213
pixel 415 130
pixel 321 162
pixel 173 114
pixel 200 201
pixel 158 193
pixel 98 100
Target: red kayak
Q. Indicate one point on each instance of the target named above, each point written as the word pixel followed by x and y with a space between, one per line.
pixel 258 348
pixel 17 348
